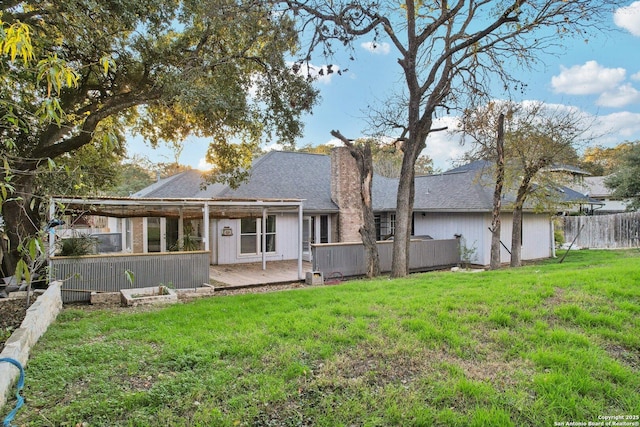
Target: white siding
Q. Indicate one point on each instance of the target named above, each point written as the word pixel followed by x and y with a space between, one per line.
pixel 536 237
pixel 474 228
pixel 446 225
pixel 228 247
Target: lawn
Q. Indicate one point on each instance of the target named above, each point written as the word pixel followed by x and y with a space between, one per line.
pixel 542 345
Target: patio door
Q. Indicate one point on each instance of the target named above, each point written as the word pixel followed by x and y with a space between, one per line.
pixel 154 235
pixel 308 236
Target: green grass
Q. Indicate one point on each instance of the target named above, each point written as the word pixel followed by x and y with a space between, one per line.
pixel 544 344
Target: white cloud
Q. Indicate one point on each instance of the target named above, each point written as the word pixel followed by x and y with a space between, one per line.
pixel 322 74
pixel 376 47
pixel 628 17
pixel 203 165
pixel 620 126
pixel 619 97
pixel 636 76
pixel 590 78
pixel 444 147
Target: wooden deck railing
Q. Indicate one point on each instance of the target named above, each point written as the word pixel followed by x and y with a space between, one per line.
pixel 349 259
pixel 106 273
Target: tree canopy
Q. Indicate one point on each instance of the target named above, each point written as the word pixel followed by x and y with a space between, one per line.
pixel 537 137
pixel 626 181
pixel 601 161
pixel 449 52
pixel 162 68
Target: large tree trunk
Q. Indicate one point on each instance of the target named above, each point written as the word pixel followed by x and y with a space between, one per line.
pixel 516 235
pixel 404 210
pixel 20 221
pixel 364 161
pixel 368 229
pixel 496 224
pixel 516 238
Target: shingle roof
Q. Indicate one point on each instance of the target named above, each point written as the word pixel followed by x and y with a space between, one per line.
pixel 286 174
pixel 595 187
pixel 294 175
pixel 183 185
pixel 457 191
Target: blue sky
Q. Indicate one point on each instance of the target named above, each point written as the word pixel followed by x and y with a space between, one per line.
pixel 601 78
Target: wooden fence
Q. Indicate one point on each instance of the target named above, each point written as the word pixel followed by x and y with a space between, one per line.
pixel 604 231
pixel 349 259
pixel 106 273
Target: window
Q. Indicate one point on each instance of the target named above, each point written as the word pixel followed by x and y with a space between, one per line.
pixel 251 235
pixel 392 224
pixel 324 228
pixel 270 232
pixel 153 235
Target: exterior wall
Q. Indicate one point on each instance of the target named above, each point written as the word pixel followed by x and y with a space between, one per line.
pixel 537 241
pixel 474 228
pixel 345 192
pixel 228 247
pixel 447 225
pixel 611 205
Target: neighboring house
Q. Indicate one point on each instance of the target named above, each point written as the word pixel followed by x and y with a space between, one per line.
pixel 595 188
pixel 456 203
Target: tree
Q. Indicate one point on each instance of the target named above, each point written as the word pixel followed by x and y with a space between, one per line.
pixel 90 170
pixel 447 52
pixel 523 141
pixel 626 181
pixel 485 127
pixel 361 152
pixel 601 161
pixel 133 176
pixel 167 68
pixel 537 137
pixel 387 161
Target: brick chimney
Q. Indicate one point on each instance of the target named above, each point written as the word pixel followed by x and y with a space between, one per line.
pixel 345 192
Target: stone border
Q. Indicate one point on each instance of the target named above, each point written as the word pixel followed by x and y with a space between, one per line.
pixel 150 295
pixel 38 318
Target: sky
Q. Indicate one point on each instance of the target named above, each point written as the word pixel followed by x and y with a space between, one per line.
pixel 601 78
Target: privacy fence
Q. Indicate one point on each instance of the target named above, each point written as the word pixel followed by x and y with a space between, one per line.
pixel 603 231
pixel 349 259
pixel 107 273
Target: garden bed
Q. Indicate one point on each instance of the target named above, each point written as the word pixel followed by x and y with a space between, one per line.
pixel 12 313
pixel 151 295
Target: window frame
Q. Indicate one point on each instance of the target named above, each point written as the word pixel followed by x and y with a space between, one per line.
pixel 256 232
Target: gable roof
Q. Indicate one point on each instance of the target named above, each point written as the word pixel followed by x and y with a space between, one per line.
pixel 307 176
pixel 182 185
pixel 594 186
pixel 276 175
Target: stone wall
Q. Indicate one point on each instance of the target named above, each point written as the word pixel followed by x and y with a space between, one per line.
pixel 38 318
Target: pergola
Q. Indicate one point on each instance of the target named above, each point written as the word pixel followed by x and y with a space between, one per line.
pixel 205 209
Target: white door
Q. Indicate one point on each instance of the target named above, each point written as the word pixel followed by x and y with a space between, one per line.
pixel 308 236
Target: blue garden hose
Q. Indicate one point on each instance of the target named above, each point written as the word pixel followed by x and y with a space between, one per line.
pixel 20 399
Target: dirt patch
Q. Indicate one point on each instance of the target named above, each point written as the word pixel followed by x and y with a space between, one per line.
pixel 221 291
pixel 556 299
pixel 12 313
pixel 624 355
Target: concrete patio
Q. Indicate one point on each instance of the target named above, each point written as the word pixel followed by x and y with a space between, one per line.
pixel 253 274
